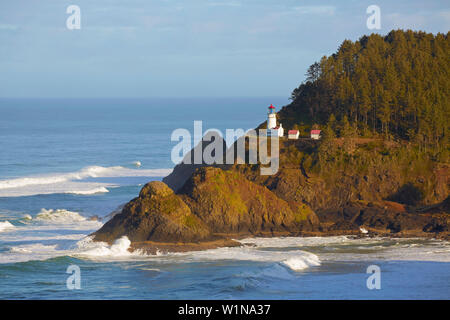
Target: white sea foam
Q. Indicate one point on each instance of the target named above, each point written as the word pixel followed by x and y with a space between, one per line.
pixel 80 182
pixel 284 242
pixel 59 216
pixel 86 192
pixel 304 262
pixel 50 233
pixel 137 163
pixel 72 182
pixel 87 172
pixel 5 226
pixel 293 259
pixel 345 248
pixel 64 233
pixel 86 248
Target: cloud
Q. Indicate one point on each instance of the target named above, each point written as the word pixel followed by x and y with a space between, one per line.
pixel 319 10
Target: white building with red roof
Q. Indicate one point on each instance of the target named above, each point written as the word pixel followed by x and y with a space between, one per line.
pixel 293 134
pixel 315 134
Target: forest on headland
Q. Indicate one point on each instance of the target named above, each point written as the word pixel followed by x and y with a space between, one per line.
pixel 395 86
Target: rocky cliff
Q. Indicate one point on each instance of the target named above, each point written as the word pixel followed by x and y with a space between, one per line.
pixel 212 207
pixel 389 191
pixel 383 162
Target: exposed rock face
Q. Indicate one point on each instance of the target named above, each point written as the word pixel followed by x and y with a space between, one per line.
pixel 229 203
pixel 322 191
pixel 183 171
pixel 158 214
pixel 385 217
pixel 212 204
pixel 333 195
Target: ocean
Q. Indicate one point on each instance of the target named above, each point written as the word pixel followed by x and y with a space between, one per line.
pixel 66 164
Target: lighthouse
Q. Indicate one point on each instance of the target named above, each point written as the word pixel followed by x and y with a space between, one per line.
pixel 272 128
pixel 271 117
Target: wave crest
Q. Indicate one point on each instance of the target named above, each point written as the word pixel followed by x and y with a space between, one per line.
pixel 59 216
pixel 87 248
pixel 6 225
pixel 72 182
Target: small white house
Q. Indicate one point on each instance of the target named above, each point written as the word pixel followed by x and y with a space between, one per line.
pixel 315 134
pixel 293 134
pixel 278 131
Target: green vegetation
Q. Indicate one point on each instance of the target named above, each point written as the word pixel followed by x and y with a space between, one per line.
pixel 382 104
pixel 395 87
pixel 302 213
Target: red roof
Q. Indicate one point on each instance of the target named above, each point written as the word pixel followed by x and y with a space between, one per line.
pixel 271 107
pixel 315 131
pixel 292 131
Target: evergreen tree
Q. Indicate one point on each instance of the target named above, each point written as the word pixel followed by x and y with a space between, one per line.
pixel 396 86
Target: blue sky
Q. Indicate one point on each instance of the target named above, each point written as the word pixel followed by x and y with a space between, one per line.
pixel 173 48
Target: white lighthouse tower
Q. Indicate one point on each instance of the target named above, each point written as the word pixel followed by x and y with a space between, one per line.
pixel 272 128
pixel 272 118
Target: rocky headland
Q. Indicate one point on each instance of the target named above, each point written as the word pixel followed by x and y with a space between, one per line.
pixel 201 207
pixel 381 167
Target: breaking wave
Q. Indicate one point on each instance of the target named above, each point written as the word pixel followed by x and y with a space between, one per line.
pixel 59 215
pixel 295 260
pixel 72 182
pixel 6 225
pixel 291 253
pixel 87 248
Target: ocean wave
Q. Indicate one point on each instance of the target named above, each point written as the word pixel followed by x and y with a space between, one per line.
pixel 59 216
pixel 49 224
pixel 86 248
pixel 87 192
pixel 5 226
pixel 297 254
pixel 346 248
pixel 72 182
pixel 284 242
pixel 301 263
pixel 295 260
pixel 137 163
pixel 29 252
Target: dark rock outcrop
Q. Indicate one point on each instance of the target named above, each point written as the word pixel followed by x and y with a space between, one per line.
pixel 212 205
pixel 229 203
pixel 158 214
pixel 184 170
pixel 384 218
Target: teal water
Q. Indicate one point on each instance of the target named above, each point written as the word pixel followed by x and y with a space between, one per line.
pixel 65 161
